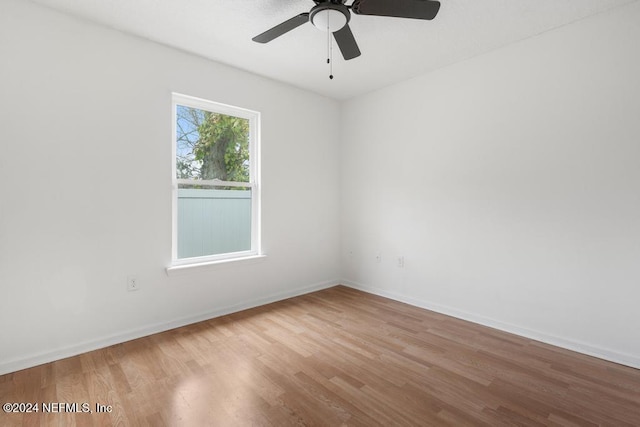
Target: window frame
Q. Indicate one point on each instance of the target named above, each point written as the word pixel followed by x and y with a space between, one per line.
pixel 254 179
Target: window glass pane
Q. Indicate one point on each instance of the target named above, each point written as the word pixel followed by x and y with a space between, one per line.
pixel 211 145
pixel 213 220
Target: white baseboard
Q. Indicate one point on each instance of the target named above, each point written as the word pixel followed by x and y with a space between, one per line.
pixel 74 350
pixel 577 346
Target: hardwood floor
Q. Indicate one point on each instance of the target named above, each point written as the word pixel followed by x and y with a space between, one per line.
pixel 334 357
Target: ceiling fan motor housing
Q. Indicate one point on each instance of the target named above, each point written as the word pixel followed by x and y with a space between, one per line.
pixel 329 16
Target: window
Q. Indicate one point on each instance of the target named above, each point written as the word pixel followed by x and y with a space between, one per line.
pixel 216 196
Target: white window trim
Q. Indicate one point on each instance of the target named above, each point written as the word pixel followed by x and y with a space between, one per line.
pixel 214 265
pixel 254 181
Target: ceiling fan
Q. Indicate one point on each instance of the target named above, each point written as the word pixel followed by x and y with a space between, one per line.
pixel 334 16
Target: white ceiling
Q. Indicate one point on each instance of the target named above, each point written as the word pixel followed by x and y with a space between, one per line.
pixel 392 49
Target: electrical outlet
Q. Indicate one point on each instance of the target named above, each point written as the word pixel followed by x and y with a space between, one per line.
pixel 132 283
pixel 401 261
pixel 378 258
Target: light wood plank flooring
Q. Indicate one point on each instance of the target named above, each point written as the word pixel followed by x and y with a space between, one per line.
pixel 334 357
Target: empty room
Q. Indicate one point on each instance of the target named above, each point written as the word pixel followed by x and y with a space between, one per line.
pixel 371 212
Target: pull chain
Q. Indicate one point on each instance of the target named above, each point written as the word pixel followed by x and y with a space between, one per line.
pixel 329 50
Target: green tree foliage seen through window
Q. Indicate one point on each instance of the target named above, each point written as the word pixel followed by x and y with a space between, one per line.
pixel 211 146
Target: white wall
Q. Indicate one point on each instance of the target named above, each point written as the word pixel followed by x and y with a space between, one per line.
pixel 511 185
pixel 85 187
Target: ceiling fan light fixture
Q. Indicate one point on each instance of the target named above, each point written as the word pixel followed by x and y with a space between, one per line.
pixel 329 19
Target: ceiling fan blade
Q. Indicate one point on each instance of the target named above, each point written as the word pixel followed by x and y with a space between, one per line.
pixel 417 9
pixel 347 43
pixel 280 29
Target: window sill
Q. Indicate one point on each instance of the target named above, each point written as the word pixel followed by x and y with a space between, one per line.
pixel 175 270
